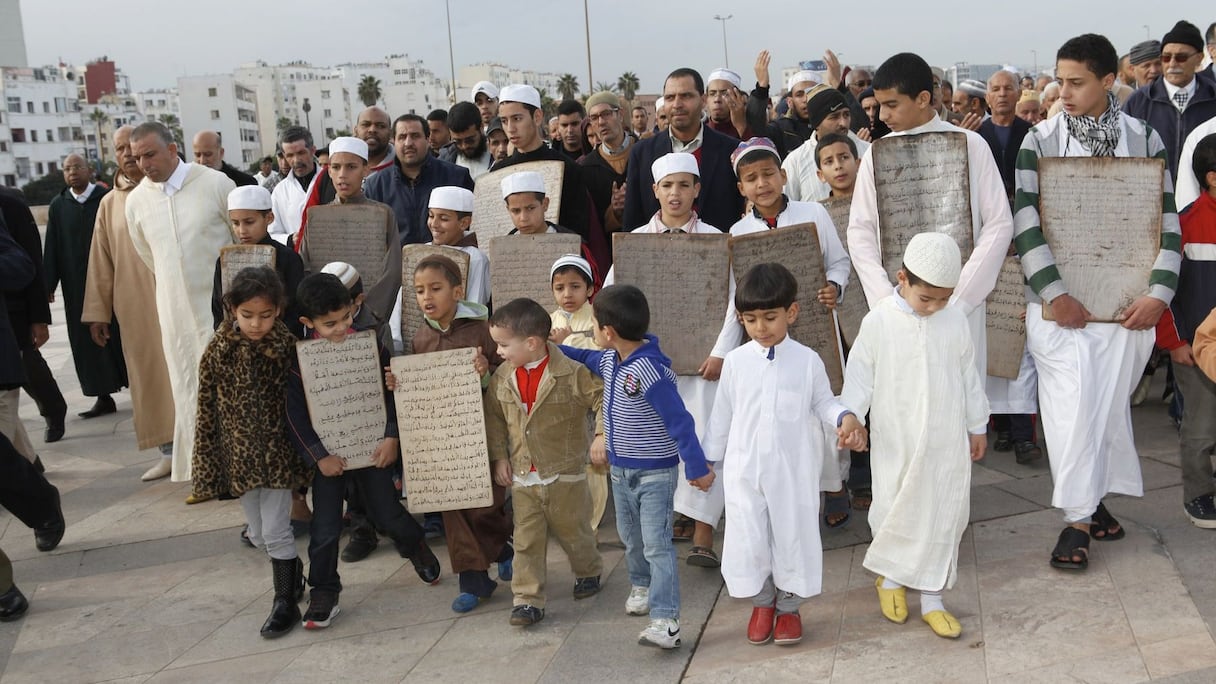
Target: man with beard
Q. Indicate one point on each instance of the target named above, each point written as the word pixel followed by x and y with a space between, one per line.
pixel 178 218
pixel 469 148
pixel 120 286
pixel 496 140
pixel 829 113
pixel 210 153
pixel 291 195
pixel 605 167
pixel 69 236
pixel 727 104
pixel 373 127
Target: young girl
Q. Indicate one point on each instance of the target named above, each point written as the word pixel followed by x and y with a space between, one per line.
pixel 476 537
pixel 241 444
pixel 573 282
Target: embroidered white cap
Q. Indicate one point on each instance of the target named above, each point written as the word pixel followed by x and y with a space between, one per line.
pixel 524 94
pixel 524 181
pixel 572 260
pixel 934 258
pixel 354 146
pixel 344 271
pixel 727 75
pixel 253 197
pixel 484 87
pixel 451 197
pixel 803 77
pixel 674 162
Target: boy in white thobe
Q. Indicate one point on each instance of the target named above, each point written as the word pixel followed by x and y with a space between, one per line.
pixel 763 430
pixel 913 368
pixel 903 85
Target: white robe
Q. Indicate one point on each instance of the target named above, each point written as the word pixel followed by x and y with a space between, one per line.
pixel 917 378
pixel 801 178
pixel 761 432
pixel 1018 396
pixel 179 238
pixel 992 230
pixel 287 202
pixel 697 392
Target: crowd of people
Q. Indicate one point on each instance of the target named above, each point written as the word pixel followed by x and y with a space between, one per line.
pixel 581 403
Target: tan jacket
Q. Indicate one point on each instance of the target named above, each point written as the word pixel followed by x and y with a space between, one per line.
pixel 1204 346
pixel 554 437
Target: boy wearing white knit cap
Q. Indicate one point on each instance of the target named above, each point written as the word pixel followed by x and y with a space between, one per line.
pixel 912 368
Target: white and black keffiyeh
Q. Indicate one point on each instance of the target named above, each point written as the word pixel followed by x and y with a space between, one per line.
pixel 1100 135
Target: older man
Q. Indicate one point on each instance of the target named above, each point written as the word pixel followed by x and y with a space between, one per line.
pixel 120 286
pixel 209 152
pixel 1003 130
pixel 69 238
pixel 968 99
pixel 1179 101
pixel 1029 107
pixel 1145 58
pixel 178 218
pixel 605 167
pixel 406 188
pixel 859 80
pixel 291 194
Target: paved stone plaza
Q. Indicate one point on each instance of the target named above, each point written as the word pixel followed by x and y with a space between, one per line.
pixel 146 589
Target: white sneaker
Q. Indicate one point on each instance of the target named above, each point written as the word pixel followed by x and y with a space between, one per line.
pixel 162 468
pixel 638 602
pixel 662 632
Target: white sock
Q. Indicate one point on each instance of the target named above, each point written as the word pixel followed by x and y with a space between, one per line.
pixel 930 601
pixel 889 584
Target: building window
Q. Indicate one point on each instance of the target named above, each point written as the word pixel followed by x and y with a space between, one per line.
pixel 29 107
pixel 328 113
pixel 46 107
pixel 147 104
pixel 10 180
pixel 215 113
pixel 50 135
pixel 160 103
pixel 52 167
pixel 324 94
pixel 40 169
pixel 14 104
pixel 329 133
pixel 3 146
pixel 18 135
pixel 33 136
pixel 211 92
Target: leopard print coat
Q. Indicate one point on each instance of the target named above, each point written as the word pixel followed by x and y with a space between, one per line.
pixel 241 440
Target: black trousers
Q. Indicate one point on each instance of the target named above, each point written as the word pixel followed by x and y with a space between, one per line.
pixel 23 490
pixel 41 386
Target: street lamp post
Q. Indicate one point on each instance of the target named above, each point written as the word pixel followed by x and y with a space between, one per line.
pixel 307 117
pixel 1146 36
pixel 451 59
pixel 1036 62
pixel 725 54
pixel 587 32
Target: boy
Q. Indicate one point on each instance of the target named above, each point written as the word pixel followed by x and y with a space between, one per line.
pixel 911 368
pixel 762 422
pixel 773 386
pixel 1087 370
pixel 1195 300
pixel 327 311
pixel 647 431
pixel 536 427
pixel 249 210
pixel 347 169
pixel 757 165
pixel 836 164
pixel 677 185
pixel 476 537
pixel 904 87
pixel 524 195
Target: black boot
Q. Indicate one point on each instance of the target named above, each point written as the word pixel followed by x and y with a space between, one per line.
pixel 298 582
pixel 286 611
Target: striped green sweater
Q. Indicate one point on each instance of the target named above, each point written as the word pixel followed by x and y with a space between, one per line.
pixel 1038 263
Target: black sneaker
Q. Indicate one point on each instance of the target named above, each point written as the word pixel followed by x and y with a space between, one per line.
pixel 432 524
pixel 522 616
pixel 1026 452
pixel 322 609
pixel 586 587
pixel 1202 511
pixel 1003 442
pixel 362 543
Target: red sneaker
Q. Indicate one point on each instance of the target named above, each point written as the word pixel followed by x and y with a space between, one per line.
pixel 788 630
pixel 760 627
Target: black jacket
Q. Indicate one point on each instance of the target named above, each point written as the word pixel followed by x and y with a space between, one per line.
pixel 291 271
pixel 598 176
pixel 29 304
pixel 409 199
pixel 1007 156
pixel 236 175
pixel 1152 104
pixel 719 203
pixel 574 213
pixel 16 272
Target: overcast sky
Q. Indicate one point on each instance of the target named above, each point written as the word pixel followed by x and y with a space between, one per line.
pixel 155 43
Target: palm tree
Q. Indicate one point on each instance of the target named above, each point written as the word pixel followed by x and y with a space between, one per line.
pixel 369 90
pixel 604 86
pixel 567 85
pixel 175 128
pixel 99 117
pixel 548 106
pixel 628 85
pixel 283 123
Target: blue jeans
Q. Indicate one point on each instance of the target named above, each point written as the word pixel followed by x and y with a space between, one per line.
pixel 643 499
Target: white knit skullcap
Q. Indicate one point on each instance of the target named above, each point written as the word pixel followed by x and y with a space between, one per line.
pixel 727 75
pixel 354 146
pixel 344 271
pixel 674 162
pixel 802 77
pixel 451 197
pixel 523 181
pixel 524 94
pixel 253 197
pixel 934 258
pixel 572 260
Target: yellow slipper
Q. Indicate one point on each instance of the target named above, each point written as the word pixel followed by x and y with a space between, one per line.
pixel 943 624
pixel 894 603
pixel 192 499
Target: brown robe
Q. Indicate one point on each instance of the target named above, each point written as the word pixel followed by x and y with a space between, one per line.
pixel 119 285
pixel 476 536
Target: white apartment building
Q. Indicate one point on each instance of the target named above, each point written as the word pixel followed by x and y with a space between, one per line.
pixel 221 103
pixel 116 111
pixel 40 123
pixel 501 75
pixel 407 86
pixel 157 103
